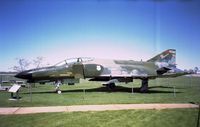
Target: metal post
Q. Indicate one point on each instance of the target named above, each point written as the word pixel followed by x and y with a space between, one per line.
pixel 132 90
pixel 83 94
pixel 31 93
pixel 11 95
pixel 17 95
pixel 174 91
pixel 30 90
pixel 168 82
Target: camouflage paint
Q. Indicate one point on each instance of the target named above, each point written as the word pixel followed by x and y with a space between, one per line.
pixel 104 69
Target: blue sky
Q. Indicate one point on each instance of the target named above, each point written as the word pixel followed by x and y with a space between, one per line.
pixel 130 29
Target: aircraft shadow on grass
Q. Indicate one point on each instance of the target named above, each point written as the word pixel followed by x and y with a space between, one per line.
pixel 167 87
pixel 117 89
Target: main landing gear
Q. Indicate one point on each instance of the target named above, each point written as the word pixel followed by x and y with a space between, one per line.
pixel 144 87
pixel 110 86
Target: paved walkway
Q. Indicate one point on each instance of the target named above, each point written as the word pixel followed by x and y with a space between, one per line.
pixel 84 108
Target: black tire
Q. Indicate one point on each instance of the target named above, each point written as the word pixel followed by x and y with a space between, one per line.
pixel 111 86
pixel 71 83
pixel 144 87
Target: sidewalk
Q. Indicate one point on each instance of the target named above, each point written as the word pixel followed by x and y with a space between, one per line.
pixel 84 108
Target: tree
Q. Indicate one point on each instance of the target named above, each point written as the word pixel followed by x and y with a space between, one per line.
pixel 23 64
pixel 38 61
pixel 196 69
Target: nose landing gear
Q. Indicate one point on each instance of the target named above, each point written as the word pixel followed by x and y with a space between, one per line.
pixel 57 85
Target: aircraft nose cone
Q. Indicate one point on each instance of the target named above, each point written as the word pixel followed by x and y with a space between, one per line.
pixel 24 75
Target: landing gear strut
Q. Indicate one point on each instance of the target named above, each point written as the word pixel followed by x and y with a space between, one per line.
pixel 57 84
pixel 144 87
pixel 110 86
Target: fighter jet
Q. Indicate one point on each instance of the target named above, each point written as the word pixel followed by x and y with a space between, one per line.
pixel 109 71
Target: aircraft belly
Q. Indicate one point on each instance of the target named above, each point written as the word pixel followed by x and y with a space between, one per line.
pixel 129 71
pixel 68 74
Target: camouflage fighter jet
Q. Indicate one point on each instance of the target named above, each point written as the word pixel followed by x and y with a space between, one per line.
pixel 110 71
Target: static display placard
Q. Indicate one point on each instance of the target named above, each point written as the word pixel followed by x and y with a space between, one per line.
pixel 14 88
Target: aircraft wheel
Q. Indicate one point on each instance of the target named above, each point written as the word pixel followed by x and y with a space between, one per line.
pixel 71 83
pixel 110 86
pixel 144 87
pixel 59 92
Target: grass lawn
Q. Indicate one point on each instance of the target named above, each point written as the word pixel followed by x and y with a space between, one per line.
pixel 124 118
pixel 161 91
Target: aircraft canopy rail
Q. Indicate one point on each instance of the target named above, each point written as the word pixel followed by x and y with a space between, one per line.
pixel 74 60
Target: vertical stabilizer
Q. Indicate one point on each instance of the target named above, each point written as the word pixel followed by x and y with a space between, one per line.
pixel 168 57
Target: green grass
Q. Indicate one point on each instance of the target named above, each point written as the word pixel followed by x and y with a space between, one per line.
pixel 161 91
pixel 124 118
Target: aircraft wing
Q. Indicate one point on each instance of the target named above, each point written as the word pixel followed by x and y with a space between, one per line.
pixel 121 78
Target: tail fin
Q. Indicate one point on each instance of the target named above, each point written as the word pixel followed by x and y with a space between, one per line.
pixel 168 56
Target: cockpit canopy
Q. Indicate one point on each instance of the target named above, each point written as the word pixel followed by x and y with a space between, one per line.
pixel 74 60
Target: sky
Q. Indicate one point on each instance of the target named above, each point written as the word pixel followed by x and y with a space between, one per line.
pixel 111 29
